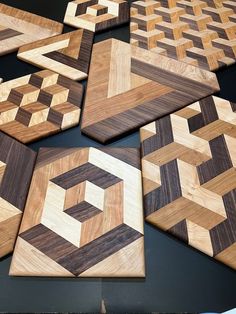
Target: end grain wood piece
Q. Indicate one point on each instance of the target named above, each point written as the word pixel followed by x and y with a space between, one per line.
pixel 84 215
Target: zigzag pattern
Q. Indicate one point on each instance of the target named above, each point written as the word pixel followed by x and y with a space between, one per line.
pixel 189 176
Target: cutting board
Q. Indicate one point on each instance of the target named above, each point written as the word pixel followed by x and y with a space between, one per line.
pixel 67 54
pixel 38 105
pixel 96 15
pixel 19 27
pixel 16 167
pixel 129 87
pixel 189 176
pixel 84 215
pixel 202 33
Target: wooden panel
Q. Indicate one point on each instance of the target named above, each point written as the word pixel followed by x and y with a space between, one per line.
pixel 16 168
pixel 202 33
pixel 96 15
pixel 37 105
pixel 67 54
pixel 84 215
pixel 189 176
pixel 120 76
pixel 19 27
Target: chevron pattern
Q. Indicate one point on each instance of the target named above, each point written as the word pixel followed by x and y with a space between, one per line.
pixel 38 105
pixel 19 27
pixel 96 15
pixel 120 76
pixel 189 176
pixel 16 167
pixel 67 54
pixel 83 216
pixel 199 32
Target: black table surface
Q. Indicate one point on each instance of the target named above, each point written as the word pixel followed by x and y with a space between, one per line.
pixel 178 278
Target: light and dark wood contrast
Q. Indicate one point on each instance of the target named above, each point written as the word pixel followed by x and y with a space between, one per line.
pixel 67 54
pixel 38 105
pixel 84 215
pixel 189 176
pixel 19 27
pixel 97 15
pixel 129 87
pixel 16 168
pixel 199 32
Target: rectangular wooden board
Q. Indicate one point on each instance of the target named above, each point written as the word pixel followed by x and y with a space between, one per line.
pixel 199 32
pixel 19 27
pixel 129 87
pixel 189 176
pixel 84 215
pixel 16 168
pixel 38 105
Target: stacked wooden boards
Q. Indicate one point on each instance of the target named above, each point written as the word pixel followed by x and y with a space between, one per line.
pixel 129 86
pixel 19 27
pixel 189 176
pixel 96 15
pixel 16 167
pixel 199 32
pixel 37 105
pixel 83 216
pixel 67 54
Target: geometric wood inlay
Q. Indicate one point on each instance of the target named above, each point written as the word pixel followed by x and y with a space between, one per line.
pixel 67 54
pixel 84 215
pixel 129 87
pixel 96 15
pixel 189 176
pixel 16 168
pixel 38 105
pixel 199 32
pixel 19 27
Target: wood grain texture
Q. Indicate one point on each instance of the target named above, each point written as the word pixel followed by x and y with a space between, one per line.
pixel 96 15
pixel 201 33
pixel 67 54
pixel 84 215
pixel 120 75
pixel 19 27
pixel 38 105
pixel 189 176
pixel 16 168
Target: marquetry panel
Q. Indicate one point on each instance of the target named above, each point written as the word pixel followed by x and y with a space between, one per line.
pixel 16 167
pixel 129 86
pixel 189 176
pixel 19 27
pixel 40 104
pixel 199 32
pixel 97 15
pixel 67 54
pixel 84 215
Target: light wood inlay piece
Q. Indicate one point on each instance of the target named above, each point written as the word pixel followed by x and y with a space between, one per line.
pixel 16 167
pixel 84 215
pixel 18 28
pixel 67 54
pixel 120 76
pixel 199 30
pixel 96 15
pixel 189 176
pixel 38 105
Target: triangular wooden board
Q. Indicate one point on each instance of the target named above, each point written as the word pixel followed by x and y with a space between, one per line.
pixel 19 27
pixel 84 215
pixel 38 105
pixel 67 54
pixel 192 157
pixel 129 86
pixel 96 15
pixel 201 33
pixel 16 167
